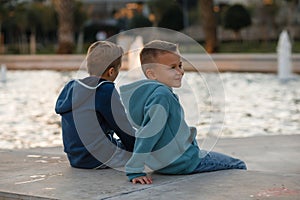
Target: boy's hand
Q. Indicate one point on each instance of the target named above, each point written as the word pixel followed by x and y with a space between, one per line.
pixel 142 180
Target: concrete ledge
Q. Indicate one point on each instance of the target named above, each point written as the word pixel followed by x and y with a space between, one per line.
pixel 42 62
pixel 44 173
pixel 264 63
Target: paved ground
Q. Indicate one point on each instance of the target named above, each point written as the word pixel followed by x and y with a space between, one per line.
pixel 273 162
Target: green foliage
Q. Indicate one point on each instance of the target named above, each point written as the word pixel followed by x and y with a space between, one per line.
pixel 49 20
pixel 18 19
pixel 159 7
pixel 26 17
pixel 139 21
pixel 172 18
pixel 3 12
pixel 80 16
pixel 168 14
pixel 236 18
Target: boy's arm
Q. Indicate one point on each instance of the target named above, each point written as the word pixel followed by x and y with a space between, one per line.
pixel 114 114
pixel 147 136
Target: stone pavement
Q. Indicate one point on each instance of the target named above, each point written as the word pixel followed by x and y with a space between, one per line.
pixel 44 173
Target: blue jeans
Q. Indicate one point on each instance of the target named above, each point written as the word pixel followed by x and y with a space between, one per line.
pixel 214 161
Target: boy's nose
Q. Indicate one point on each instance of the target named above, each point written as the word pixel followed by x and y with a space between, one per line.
pixel 180 71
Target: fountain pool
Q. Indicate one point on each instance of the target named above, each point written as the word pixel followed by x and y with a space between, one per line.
pixel 255 104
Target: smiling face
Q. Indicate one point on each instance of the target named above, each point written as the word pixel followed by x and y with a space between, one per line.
pixel 167 69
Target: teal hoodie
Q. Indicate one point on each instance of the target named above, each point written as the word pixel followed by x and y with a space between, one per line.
pixel 164 142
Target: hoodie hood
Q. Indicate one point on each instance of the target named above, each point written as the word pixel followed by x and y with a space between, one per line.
pixel 134 97
pixel 76 92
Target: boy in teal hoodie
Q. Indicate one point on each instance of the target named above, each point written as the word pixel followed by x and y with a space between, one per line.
pixel 164 142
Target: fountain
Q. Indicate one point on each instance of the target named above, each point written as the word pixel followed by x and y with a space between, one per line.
pixel 134 69
pixel 284 56
pixel 3 73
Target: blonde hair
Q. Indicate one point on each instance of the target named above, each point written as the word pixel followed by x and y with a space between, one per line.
pixel 102 55
pixel 152 49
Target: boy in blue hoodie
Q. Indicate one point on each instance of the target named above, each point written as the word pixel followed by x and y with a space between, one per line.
pixel 91 112
pixel 164 142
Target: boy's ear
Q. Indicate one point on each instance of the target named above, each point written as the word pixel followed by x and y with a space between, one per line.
pixel 150 74
pixel 110 71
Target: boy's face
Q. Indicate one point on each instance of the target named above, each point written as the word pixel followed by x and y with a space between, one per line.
pixel 168 70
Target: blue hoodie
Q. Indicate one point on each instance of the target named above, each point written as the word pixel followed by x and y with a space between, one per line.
pixel 91 112
pixel 164 142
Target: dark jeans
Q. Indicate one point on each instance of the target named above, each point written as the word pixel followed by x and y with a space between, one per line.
pixel 213 161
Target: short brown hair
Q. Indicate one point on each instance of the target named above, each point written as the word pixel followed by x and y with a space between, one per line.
pixel 154 48
pixel 102 55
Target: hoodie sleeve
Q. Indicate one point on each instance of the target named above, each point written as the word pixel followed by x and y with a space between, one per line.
pixel 114 114
pixel 156 113
pixel 64 100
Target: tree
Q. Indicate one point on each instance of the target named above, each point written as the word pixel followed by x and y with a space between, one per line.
pixel 159 7
pixel 24 21
pixel 189 8
pixel 172 18
pixel 236 18
pixel 3 14
pixel 34 14
pixel 168 14
pixel 21 22
pixel 65 11
pixel 209 25
pixel 138 21
pixel 80 16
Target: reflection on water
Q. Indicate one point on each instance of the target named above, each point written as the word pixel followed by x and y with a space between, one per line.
pixel 255 104
pixel 27 109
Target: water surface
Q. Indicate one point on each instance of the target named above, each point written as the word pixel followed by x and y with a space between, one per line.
pixel 255 104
